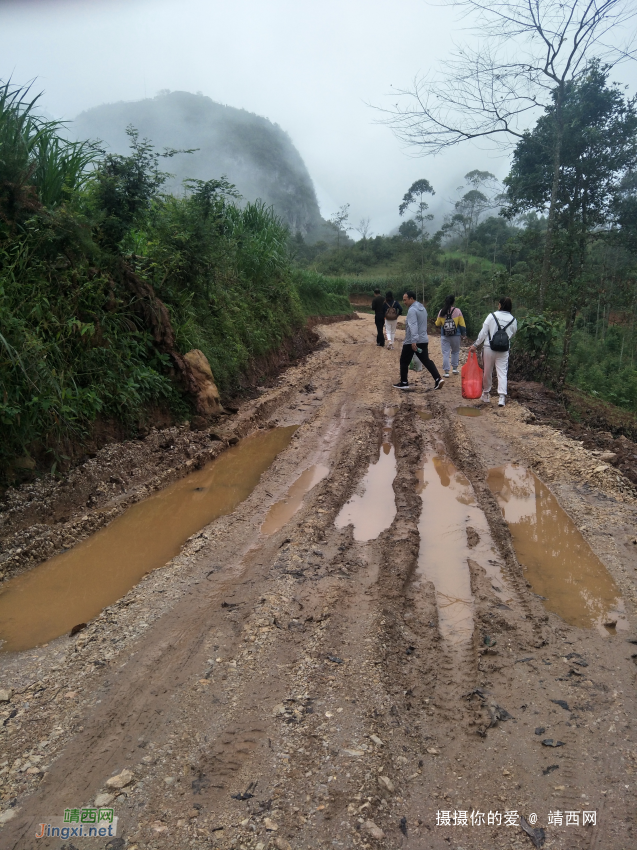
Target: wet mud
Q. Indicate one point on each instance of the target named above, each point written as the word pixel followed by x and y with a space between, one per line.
pixel 468 411
pixel 282 511
pixel 306 690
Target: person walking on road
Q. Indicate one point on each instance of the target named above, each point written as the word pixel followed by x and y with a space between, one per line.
pixel 452 328
pixel 498 328
pixel 392 311
pixel 416 343
pixel 378 306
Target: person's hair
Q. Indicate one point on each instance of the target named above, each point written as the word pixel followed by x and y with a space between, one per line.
pixel 377 292
pixel 506 304
pixel 389 296
pixel 450 300
pixel 411 294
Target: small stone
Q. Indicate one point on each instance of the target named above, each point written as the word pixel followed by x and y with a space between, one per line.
pixel 376 740
pixel 193 813
pixel 70 695
pixel 33 770
pixel 169 780
pixel 104 800
pixel 7 815
pixel 355 753
pixel 386 783
pixel 282 844
pixel 601 468
pixel 158 827
pixel 148 759
pixel 6 694
pixel 506 772
pixel 270 824
pixel 608 457
pixel 278 710
pixel 433 751
pixel 374 831
pixel 121 780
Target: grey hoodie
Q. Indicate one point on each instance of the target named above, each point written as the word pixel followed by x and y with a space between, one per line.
pixel 416 324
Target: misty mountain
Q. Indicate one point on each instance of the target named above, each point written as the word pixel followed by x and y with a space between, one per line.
pixel 252 152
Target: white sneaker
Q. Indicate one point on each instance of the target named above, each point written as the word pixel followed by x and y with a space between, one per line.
pixel 502 401
pixel 486 398
pixel 456 372
pixel 446 374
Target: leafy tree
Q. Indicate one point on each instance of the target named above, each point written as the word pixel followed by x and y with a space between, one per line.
pixel 340 222
pixel 527 57
pixel 598 148
pixel 414 200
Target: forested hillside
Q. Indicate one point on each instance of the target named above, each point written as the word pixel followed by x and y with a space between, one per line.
pixel 106 281
pixel 252 152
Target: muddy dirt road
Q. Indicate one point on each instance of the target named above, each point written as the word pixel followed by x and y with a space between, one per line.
pixel 375 669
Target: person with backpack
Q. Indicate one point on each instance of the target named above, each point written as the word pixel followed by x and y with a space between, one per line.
pixel 392 311
pixel 497 330
pixel 416 343
pixel 452 328
pixel 378 306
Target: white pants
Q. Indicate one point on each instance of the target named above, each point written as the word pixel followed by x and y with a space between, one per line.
pixel 390 330
pixel 499 359
pixel 450 345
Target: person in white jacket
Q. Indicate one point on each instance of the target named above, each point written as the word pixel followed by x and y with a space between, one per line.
pixel 496 351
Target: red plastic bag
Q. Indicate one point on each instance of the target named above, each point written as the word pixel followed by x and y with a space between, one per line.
pixel 471 377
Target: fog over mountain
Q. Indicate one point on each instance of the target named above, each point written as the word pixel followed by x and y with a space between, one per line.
pixel 252 152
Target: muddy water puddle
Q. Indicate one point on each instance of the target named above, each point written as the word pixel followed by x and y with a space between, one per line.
pixel 372 509
pixel 425 415
pixel 282 511
pixel 468 411
pixel 75 586
pixel 452 530
pixel 559 563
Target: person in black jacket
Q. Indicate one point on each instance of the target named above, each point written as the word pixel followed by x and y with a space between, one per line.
pixel 378 306
pixel 392 311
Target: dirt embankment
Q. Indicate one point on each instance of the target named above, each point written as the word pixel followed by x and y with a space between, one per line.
pixel 310 688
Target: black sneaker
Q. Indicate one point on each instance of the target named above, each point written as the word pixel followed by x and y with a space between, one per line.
pixel 439 383
pixel 401 385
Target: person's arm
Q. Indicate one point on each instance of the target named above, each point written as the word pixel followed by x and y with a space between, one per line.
pixel 399 308
pixel 412 325
pixel 439 321
pixel 460 325
pixel 513 328
pixel 483 333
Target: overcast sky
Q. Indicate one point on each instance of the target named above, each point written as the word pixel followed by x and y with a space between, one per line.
pixel 310 67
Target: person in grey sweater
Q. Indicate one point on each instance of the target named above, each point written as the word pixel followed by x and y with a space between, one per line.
pixel 416 343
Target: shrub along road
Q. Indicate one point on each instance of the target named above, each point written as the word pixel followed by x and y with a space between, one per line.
pixel 311 689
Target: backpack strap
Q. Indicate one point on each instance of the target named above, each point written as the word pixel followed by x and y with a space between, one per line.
pixel 509 323
pixel 498 323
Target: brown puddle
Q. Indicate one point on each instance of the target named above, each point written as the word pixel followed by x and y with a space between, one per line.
pixel 282 511
pixel 75 586
pixel 468 411
pixel 425 415
pixel 559 563
pixel 450 518
pixel 373 509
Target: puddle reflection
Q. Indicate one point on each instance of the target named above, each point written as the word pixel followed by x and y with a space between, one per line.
pixel 559 563
pixel 373 508
pixel 282 511
pixel 448 509
pixel 75 586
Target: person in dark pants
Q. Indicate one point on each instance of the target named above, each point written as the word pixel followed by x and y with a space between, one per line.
pixel 378 306
pixel 416 342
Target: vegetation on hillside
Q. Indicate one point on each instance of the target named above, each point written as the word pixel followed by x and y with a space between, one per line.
pixel 106 281
pixel 578 321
